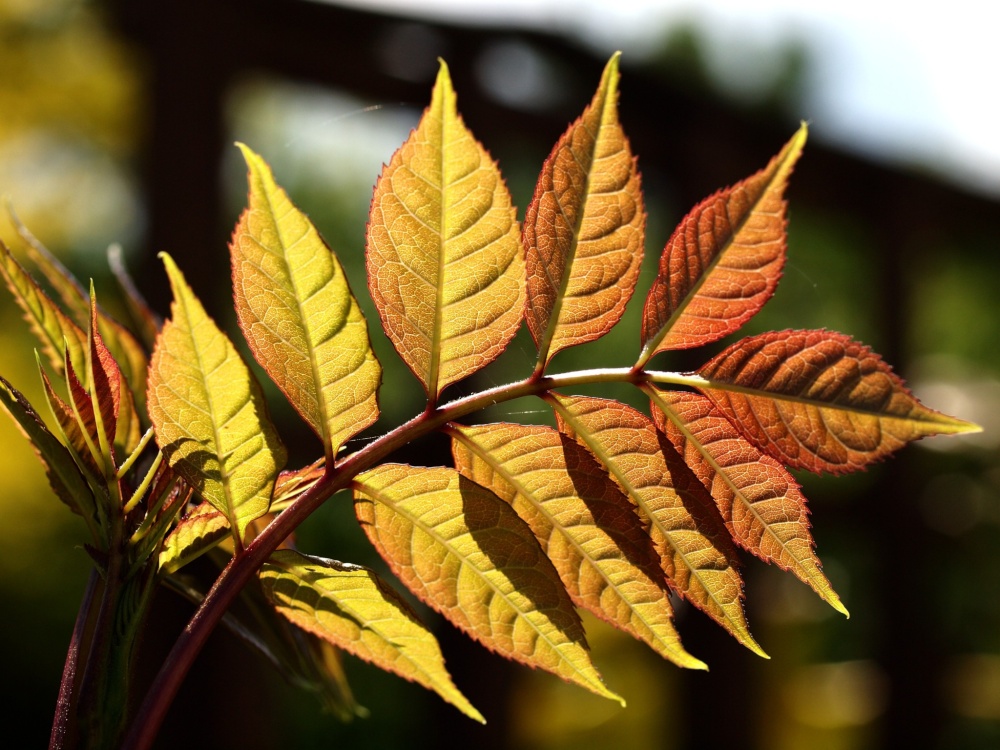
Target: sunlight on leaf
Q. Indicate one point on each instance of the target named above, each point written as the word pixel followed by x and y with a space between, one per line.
pixel 818 400
pixel 298 313
pixel 351 608
pixel 197 533
pixel 696 551
pixel 60 468
pixel 760 501
pixel 585 525
pixel 445 266
pixel 124 347
pixel 467 554
pixel 51 326
pixel 107 395
pixel 723 261
pixel 583 231
pixel 209 413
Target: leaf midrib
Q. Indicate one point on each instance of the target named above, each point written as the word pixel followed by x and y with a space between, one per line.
pixel 310 344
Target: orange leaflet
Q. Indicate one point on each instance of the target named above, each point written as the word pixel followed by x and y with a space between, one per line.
pixel 696 551
pixel 818 400
pixel 586 526
pixel 723 261
pixel 583 231
pixel 760 502
pixel 445 266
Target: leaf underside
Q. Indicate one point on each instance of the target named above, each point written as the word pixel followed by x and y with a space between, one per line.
pixel 583 522
pixel 696 552
pixel 54 329
pixel 723 261
pixel 759 500
pixel 818 400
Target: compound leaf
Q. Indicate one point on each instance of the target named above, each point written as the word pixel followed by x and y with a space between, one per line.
pixel 467 554
pixel 723 261
pixel 583 230
pixel 444 258
pixel 583 522
pixel 209 413
pixel 298 314
pixel 351 608
pixel 818 400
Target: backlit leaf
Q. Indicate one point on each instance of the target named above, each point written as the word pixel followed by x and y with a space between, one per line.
pixel 351 608
pixel 760 501
pixel 583 231
pixel 298 313
pixel 723 261
pixel 589 530
pixel 290 484
pixel 209 413
pixel 467 554
pixel 69 290
pixel 818 400
pixel 196 533
pixel 75 417
pixel 53 328
pixel 60 468
pixel 125 349
pixel 696 551
pixel 444 258
pixel 106 394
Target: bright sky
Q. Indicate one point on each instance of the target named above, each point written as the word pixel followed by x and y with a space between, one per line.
pixel 905 81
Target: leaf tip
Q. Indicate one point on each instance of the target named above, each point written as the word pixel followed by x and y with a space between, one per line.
pixel 692 662
pixel 961 427
pixel 252 158
pixel 443 79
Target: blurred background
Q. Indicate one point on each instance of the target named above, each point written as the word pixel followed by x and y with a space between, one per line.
pixel 117 125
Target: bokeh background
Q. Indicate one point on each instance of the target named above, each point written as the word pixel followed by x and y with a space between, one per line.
pixel 116 126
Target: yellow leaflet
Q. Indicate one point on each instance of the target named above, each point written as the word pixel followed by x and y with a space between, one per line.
pixel 209 414
pixel 466 553
pixel 697 553
pixel 445 266
pixel 351 608
pixel 298 313
pixel 584 523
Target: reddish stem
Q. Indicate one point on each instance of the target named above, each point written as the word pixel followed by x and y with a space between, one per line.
pixel 61 728
pixel 241 569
